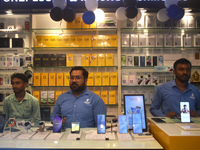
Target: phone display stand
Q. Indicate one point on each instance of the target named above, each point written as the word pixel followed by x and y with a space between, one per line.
pixel 11 123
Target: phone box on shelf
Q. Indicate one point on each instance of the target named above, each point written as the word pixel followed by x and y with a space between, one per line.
pixel 109 59
pixel 155 60
pixel 101 60
pixel 70 59
pixel 104 96
pixel 154 80
pixel 191 22
pixel 125 40
pixel 184 22
pixel 45 60
pixel 36 94
pixel 85 59
pixel 59 79
pixel 36 79
pixel 93 59
pixel 7 79
pixel 52 79
pixel 98 93
pixel 140 78
pixel 57 93
pixel 97 79
pixel 123 60
pixel 197 40
pixel 43 97
pixel 148 61
pixel 37 61
pixel 132 78
pixel 159 24
pixel 129 60
pixel 61 60
pixel 66 78
pixel 178 42
pixel 159 40
pixel 136 60
pixel 187 40
pixel 105 78
pixel 142 40
pixel 142 61
pixel 16 61
pixel 140 23
pixel 9 60
pixel 147 78
pixel 44 79
pixel 150 21
pixel 51 97
pixel 53 59
pixel 160 61
pixel 17 42
pixel 2 61
pixel 125 78
pixel 73 41
pixel 151 40
pixel 90 81
pixel 113 78
pixel 113 40
pixel 1 79
pixel 168 40
pixel 112 97
pixel 134 40
pixel 175 23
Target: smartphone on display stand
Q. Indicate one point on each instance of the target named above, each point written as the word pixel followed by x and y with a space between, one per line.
pixel 57 124
pixel 75 127
pixel 185 112
pixel 101 124
pixel 122 124
pixel 137 123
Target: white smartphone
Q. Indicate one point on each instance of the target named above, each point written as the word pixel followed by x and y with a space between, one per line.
pixel 122 124
pixel 185 111
pixel 101 124
pixel 75 127
pixel 137 123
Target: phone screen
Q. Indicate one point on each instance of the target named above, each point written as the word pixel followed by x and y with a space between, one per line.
pixel 185 111
pixel 122 124
pixel 137 123
pixel 2 122
pixel 101 124
pixel 57 124
pixel 75 127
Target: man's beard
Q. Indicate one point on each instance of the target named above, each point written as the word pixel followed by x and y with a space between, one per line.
pixel 77 88
pixel 183 81
pixel 18 91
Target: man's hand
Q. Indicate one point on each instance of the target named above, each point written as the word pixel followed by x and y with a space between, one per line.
pixel 193 113
pixel 172 114
pixel 63 121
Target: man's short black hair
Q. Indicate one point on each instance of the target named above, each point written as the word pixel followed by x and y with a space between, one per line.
pixel 85 72
pixel 21 76
pixel 182 61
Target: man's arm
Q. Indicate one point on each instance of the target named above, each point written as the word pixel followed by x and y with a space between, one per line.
pixel 99 108
pixel 197 104
pixel 156 104
pixel 36 112
pixel 6 109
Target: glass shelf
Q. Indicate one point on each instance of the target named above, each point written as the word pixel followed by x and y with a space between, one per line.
pixel 73 66
pixel 69 86
pixel 153 48
pixel 139 85
pixel 110 105
pixel 137 67
pixel 73 48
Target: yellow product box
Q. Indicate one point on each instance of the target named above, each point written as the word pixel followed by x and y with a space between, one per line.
pixel 112 97
pixel 36 79
pixel 66 78
pixel 36 94
pixel 104 96
pixel 70 59
pixel 59 42
pixel 101 60
pixel 98 93
pixel 98 41
pixel 97 78
pixel 77 22
pixel 109 59
pixel 59 79
pixel 85 59
pixel 38 41
pixel 52 79
pixel 80 41
pixel 84 25
pixel 57 93
pixel 113 78
pixel 45 41
pixel 70 25
pixel 90 81
pixel 93 59
pixel 93 25
pixel 43 97
pixel 66 41
pixel 44 79
pixel 51 97
pixel 73 41
pixel 105 78
pixel 86 41
pixel 113 41
pixel 106 39
pixel 53 41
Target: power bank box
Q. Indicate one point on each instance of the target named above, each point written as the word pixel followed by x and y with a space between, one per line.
pixel 70 59
pixel 52 79
pixel 197 40
pixel 148 61
pixel 134 40
pixel 17 42
pixel 43 97
pixel 90 81
pixel 113 78
pixel 151 40
pixel 36 79
pixel 61 60
pixel 98 93
pixel 101 60
pixel 136 60
pixel 178 40
pixel 85 59
pixel 66 78
pixel 53 59
pixel 109 59
pixel 57 93
pixel 132 78
pixel 36 94
pixel 37 60
pixel 45 60
pixel 104 96
pixel 59 79
pixel 129 60
pixel 150 21
pixel 125 78
pixel 112 97
pixel 123 60
pixel 105 78
pixel 93 59
pixel 168 40
pixel 51 97
pixel 187 40
pixel 44 79
pixel 159 40
pixel 142 60
pixel 97 78
pixel 142 40
pixel 125 40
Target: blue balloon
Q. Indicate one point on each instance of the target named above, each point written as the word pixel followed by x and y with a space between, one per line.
pixel 180 15
pixel 173 11
pixel 88 17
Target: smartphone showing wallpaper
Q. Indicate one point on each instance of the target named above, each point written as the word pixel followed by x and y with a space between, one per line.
pixel 185 111
pixel 57 124
pixel 101 124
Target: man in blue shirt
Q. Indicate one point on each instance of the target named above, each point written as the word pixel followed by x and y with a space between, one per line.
pixel 79 104
pixel 166 101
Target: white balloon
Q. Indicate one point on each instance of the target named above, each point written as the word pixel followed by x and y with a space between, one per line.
pixel 120 14
pixel 60 3
pixel 170 2
pixel 99 15
pixel 91 5
pixel 138 17
pixel 162 15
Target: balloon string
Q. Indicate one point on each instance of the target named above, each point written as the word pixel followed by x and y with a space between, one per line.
pixel 91 38
pixel 61 28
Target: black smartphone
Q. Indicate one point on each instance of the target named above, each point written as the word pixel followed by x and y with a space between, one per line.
pixel 2 122
pixel 101 124
pixel 57 123
pixel 185 111
pixel 75 127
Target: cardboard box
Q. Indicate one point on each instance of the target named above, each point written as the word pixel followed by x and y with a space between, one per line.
pixel 90 81
pixel 44 79
pixel 70 59
pixel 36 94
pixel 52 79
pixel 51 97
pixel 105 78
pixel 59 79
pixel 85 60
pixel 43 97
pixel 53 59
pixel 101 60
pixel 66 79
pixel 113 78
pixel 109 59
pixel 104 96
pixel 112 97
pixel 93 59
pixel 97 78
pixel 36 79
pixel 61 59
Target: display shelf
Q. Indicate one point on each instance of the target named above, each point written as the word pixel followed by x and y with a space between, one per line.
pixel 163 48
pixel 139 85
pixel 110 105
pixel 14 31
pixel 69 86
pixel 73 66
pixel 71 48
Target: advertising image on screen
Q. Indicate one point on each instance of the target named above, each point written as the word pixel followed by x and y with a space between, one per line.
pixel 57 124
pixel 101 124
pixel 135 103
pixel 185 111
pixel 122 124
